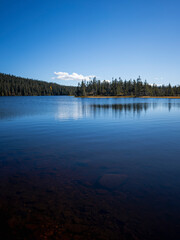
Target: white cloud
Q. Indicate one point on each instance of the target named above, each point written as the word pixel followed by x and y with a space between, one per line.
pixel 73 76
pixel 157 79
pixel 158 85
pixel 107 81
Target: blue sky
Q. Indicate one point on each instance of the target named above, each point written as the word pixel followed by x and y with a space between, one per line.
pixel 109 38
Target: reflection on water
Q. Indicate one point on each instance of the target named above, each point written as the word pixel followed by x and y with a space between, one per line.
pixel 75 111
pixel 17 107
pixel 65 108
pixel 78 109
pixel 117 109
pixel 73 168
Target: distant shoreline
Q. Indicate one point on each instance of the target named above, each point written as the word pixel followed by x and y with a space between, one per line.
pixel 170 97
pixel 175 97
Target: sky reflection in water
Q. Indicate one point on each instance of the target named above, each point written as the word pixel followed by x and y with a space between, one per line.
pixel 119 157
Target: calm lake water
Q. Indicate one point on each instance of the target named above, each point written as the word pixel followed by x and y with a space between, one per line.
pixel 73 168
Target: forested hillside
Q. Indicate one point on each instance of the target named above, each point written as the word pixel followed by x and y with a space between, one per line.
pixel 17 86
pixel 118 87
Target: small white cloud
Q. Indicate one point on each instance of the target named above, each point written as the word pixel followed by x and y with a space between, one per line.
pixel 107 81
pixel 74 76
pixel 157 85
pixel 157 79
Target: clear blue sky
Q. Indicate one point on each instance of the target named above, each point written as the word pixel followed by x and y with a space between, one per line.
pixel 106 38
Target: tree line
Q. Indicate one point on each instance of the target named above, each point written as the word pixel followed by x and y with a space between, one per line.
pixel 17 86
pixel 118 87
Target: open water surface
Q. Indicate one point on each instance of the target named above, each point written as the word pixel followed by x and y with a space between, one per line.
pixel 73 168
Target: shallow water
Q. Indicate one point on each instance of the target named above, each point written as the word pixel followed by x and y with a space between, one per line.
pixel 73 168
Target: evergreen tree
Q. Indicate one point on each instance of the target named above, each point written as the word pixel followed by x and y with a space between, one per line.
pixel 16 86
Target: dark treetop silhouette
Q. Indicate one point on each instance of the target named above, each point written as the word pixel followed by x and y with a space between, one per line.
pixel 17 86
pixel 119 87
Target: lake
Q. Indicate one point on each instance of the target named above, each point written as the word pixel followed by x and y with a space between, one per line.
pixel 79 168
